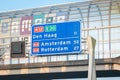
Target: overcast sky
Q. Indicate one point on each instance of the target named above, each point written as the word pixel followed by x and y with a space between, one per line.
pixel 8 5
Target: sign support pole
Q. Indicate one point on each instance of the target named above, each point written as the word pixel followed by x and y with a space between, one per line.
pixel 91 68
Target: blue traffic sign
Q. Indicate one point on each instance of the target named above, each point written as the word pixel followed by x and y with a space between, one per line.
pixel 56 38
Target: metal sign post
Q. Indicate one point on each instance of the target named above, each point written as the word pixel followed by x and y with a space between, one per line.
pixel 91 68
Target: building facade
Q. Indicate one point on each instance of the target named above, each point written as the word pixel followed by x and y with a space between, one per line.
pixel 100 19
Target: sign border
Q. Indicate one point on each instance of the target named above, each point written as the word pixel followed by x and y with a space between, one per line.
pixel 52 54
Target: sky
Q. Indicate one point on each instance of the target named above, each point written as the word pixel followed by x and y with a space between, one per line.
pixel 9 5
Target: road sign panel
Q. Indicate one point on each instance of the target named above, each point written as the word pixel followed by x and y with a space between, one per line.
pixel 56 38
